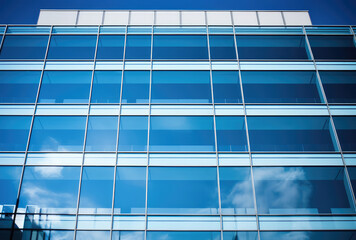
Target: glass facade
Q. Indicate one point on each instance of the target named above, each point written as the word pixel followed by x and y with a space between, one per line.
pixel 167 133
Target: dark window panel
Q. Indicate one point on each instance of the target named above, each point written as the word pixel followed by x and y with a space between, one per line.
pixel 226 87
pixel 231 133
pixel 138 47
pixel 111 47
pixel 136 87
pixel 346 132
pixel 14 132
pixel 222 47
pixel 106 87
pixel 24 47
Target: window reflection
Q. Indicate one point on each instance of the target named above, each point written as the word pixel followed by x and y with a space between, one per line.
pixel 138 47
pixel 24 47
pixel 106 87
pixel 222 47
pixel 128 235
pixel 241 236
pixel 111 47
pixel 309 235
pixel 231 133
pixel 136 87
pixel 14 132
pixel 346 130
pixel 101 133
pixel 183 235
pixel 9 185
pixel 43 235
pixel 226 87
pixel 92 235
pixel 133 133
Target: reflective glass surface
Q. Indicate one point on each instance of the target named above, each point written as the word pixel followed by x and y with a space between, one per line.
pixel 280 87
pixel 106 87
pixel 133 133
pixel 231 133
pixel 226 87
pixel 128 235
pixel 62 133
pixel 181 87
pixel 352 175
pixel 9 185
pixel 236 190
pixel 181 133
pixel 291 134
pixel 65 87
pixel 240 236
pixel 138 47
pixel 180 47
pixel 136 87
pixel 130 190
pixel 14 132
pixel 271 47
pixel 92 235
pixel 102 133
pixel 302 190
pixel 339 86
pixel 49 190
pixel 346 131
pixel 43 234
pixel 24 47
pixel 183 235
pixel 222 47
pixel 111 47
pixel 72 47
pixel 186 190
pixel 333 47
pixel 96 190
pixel 309 235
pixel 19 86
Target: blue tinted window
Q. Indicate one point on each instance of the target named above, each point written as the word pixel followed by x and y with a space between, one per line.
pixel 240 236
pixel 183 235
pixel 19 86
pixel 180 47
pixel 102 133
pixel 14 132
pixel 136 87
pixel 231 134
pixel 133 133
pixel 339 86
pixel 226 87
pixel 9 185
pixel 181 133
pixel 138 47
pixel 182 190
pixel 52 133
pixel 106 87
pixel 291 134
pixel 72 47
pixel 280 87
pixel 128 235
pixel 352 174
pixel 43 234
pixel 96 190
pixel 310 235
pixel 333 47
pixel 181 87
pixel 346 131
pixel 130 190
pixel 92 235
pixel 302 190
pixel 24 47
pixel 49 190
pixel 236 190
pixel 111 47
pixel 65 87
pixel 271 47
pixel 222 47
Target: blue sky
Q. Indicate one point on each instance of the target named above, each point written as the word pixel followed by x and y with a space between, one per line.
pixel 332 12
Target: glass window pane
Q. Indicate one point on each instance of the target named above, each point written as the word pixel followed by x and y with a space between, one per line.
pixel 63 133
pixel 302 190
pixel 181 133
pixel 184 235
pixel 236 190
pixel 310 235
pixel 43 234
pixel 339 86
pixel 333 47
pixel 352 174
pixel 231 134
pixel 136 87
pixel 180 47
pixel 14 132
pixel 96 190
pixel 49 190
pixel 19 86
pixel 133 133
pixel 111 47
pixel 106 87
pixel 271 47
pixel 130 190
pixel 65 87
pixel 346 130
pixel 280 87
pixel 9 185
pixel 128 235
pixel 241 236
pixel 72 47
pixel 226 87
pixel 181 87
pixel 222 47
pixel 24 47
pixel 138 47
pixel 102 133
pixel 291 134
pixel 92 235
pixel 186 190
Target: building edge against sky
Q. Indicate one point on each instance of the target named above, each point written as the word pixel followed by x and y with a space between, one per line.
pixel 167 125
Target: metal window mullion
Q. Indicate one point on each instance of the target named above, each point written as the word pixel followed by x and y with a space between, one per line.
pixel 29 135
pixel 247 134
pixel 85 135
pixel 3 38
